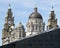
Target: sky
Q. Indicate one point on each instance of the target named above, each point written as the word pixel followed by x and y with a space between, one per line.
pixel 23 8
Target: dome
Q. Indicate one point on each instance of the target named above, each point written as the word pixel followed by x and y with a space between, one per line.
pixel 20 25
pixel 35 14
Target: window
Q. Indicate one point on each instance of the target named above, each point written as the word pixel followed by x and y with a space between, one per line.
pixel 39 27
pixel 43 28
pixel 36 27
pixel 33 27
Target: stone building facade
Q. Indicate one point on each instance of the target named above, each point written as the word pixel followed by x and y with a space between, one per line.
pixel 10 33
pixel 35 25
pixel 9 22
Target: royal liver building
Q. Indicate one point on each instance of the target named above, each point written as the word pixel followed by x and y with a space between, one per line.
pixel 34 25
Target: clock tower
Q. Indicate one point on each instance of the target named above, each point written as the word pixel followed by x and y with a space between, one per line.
pixel 9 22
pixel 52 21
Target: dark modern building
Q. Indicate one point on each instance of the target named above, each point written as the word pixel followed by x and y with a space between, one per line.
pixel 49 39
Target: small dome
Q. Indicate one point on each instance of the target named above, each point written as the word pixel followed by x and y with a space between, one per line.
pixel 35 14
pixel 20 25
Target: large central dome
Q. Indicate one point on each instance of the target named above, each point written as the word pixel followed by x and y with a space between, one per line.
pixel 35 14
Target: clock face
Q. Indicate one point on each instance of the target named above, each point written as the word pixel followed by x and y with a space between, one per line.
pixel 9 22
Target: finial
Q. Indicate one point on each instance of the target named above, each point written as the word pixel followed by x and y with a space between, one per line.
pixel 20 23
pixel 35 8
pixel 9 6
pixel 52 8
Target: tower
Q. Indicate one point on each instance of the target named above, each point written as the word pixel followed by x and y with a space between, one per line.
pixel 52 21
pixel 9 21
pixel 35 23
pixel 18 33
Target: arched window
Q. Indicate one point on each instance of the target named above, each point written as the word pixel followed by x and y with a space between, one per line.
pixel 39 27
pixel 36 27
pixel 33 27
pixel 43 28
pixel 29 27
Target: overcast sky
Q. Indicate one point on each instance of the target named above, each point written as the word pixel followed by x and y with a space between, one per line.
pixel 23 8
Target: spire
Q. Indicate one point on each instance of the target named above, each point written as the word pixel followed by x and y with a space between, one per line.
pixel 35 8
pixel 52 8
pixel 52 14
pixel 9 12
